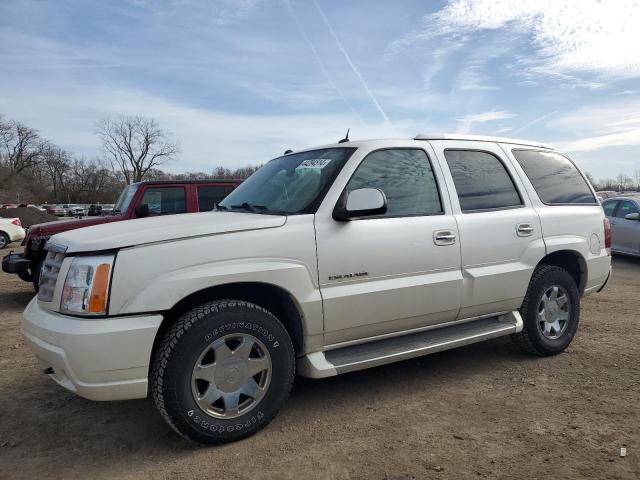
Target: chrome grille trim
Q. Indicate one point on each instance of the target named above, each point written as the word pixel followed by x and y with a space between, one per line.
pixel 49 274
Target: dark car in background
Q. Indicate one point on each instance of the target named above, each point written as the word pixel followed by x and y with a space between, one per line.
pixel 136 200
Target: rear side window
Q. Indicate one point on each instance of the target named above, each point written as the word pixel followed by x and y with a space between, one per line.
pixel 406 178
pixel 609 207
pixel 210 195
pixel 626 207
pixel 165 200
pixel 481 180
pixel 555 178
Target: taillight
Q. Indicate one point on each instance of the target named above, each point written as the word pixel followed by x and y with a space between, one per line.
pixel 607 235
pixel 16 222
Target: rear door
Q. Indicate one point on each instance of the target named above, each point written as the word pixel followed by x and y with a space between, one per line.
pixel 500 236
pixel 210 195
pixel 625 233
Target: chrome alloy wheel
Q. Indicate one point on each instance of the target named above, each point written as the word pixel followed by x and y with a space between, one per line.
pixel 553 312
pixel 231 375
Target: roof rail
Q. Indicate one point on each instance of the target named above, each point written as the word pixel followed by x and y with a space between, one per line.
pixel 480 138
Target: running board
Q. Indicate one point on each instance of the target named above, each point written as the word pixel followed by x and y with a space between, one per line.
pixel 380 352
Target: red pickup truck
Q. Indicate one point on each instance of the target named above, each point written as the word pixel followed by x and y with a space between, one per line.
pixel 137 200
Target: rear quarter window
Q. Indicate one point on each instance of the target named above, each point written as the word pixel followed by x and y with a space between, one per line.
pixel 555 178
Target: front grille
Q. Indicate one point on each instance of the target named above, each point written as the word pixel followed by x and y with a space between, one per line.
pixel 49 275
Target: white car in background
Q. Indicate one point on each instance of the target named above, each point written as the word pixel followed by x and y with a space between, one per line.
pixel 10 231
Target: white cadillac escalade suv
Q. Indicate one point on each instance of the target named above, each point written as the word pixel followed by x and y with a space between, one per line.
pixel 325 261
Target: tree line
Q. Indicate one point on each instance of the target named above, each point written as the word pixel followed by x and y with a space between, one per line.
pixel 35 170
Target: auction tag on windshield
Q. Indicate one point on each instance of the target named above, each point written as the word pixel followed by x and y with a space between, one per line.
pixel 314 163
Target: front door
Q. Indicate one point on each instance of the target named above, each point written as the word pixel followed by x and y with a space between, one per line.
pixel 500 234
pixel 625 233
pixel 389 273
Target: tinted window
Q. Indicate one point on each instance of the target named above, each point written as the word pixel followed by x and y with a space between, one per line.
pixel 554 177
pixel 405 177
pixel 165 201
pixel 609 207
pixel 626 207
pixel 210 195
pixel 481 180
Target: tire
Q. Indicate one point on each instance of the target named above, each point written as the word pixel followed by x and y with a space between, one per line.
pixel 199 337
pixel 547 281
pixel 36 268
pixel 4 240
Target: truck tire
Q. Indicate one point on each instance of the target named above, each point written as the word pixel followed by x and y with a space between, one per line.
pixel 36 268
pixel 550 312
pixel 222 371
pixel 4 240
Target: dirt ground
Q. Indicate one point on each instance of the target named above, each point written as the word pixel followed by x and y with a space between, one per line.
pixel 481 411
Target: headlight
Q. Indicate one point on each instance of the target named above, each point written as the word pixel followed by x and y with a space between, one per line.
pixel 86 288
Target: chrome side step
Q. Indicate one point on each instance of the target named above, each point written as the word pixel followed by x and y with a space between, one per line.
pixel 373 354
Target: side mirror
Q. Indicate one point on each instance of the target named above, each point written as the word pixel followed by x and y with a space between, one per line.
pixel 632 216
pixel 363 202
pixel 142 210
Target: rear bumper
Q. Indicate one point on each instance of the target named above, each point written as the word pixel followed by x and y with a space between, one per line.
pixel 15 263
pixel 607 280
pixel 99 359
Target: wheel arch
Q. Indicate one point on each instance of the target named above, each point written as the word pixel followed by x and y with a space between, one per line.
pixel 273 298
pixel 572 261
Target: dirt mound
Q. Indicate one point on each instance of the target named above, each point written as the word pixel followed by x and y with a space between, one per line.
pixel 28 215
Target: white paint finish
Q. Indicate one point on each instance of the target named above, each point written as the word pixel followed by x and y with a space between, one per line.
pixel 99 359
pixel 157 276
pixel 148 230
pixel 404 279
pixel 497 262
pixel 14 232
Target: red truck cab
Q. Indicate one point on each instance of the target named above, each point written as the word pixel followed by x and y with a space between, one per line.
pixel 137 200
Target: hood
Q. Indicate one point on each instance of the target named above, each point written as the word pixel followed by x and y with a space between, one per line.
pixel 51 228
pixel 161 229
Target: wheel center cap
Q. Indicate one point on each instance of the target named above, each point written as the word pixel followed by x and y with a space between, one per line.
pixel 231 375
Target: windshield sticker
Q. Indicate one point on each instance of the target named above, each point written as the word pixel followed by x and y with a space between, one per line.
pixel 314 163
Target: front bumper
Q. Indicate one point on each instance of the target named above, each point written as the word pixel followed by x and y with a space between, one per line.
pixel 15 263
pixel 99 359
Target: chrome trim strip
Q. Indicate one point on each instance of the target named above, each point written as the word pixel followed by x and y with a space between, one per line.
pixel 55 247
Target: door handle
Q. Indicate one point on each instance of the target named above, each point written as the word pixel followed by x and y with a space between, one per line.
pixel 524 229
pixel 444 237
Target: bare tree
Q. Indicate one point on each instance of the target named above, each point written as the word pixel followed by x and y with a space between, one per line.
pixel 20 147
pixel 55 162
pixel 135 145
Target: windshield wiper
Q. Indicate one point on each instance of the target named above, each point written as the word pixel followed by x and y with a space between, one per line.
pixel 251 207
pixel 221 208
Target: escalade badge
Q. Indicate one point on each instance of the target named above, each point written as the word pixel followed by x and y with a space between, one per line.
pixel 348 275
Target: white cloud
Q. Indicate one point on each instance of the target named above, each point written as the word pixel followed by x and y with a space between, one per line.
pixel 568 35
pixel 467 121
pixel 619 139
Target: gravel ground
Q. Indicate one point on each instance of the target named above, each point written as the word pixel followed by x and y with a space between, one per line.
pixel 480 411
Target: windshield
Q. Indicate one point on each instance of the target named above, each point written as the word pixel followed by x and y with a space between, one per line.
pixel 122 205
pixel 292 184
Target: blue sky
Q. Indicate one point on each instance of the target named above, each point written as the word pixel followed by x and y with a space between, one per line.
pixel 238 82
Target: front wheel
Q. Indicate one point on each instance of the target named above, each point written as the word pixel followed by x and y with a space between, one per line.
pixel 222 371
pixel 550 312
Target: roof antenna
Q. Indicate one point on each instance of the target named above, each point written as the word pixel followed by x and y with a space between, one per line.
pixel 287 152
pixel 345 139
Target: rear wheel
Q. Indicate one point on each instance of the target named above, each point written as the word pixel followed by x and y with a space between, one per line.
pixel 4 240
pixel 222 371
pixel 550 312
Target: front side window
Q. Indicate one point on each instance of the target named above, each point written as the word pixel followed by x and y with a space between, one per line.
pixel 626 207
pixel 609 207
pixel 293 184
pixel 165 200
pixel 406 178
pixel 122 205
pixel 210 195
pixel 481 180
pixel 555 178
